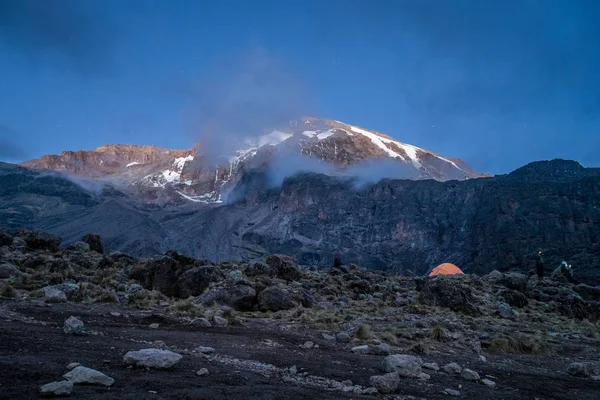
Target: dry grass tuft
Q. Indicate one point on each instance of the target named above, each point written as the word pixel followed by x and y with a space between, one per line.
pixel 364 332
pixel 439 333
pixel 518 343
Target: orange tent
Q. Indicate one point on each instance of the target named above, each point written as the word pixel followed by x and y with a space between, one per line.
pixel 446 269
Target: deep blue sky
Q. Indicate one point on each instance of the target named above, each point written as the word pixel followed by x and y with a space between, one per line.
pixel 496 83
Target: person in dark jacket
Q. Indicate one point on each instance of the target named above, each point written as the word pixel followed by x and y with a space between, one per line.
pixel 539 264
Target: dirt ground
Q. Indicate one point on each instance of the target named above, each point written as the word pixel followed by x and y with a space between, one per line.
pixel 34 351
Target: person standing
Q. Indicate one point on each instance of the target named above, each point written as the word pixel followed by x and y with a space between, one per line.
pixel 539 265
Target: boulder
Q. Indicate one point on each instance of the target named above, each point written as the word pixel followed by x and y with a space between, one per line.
pixel 94 241
pixel 260 268
pixel 469 374
pixel 431 366
pixel 78 246
pixel 514 298
pixel 18 243
pixel 385 384
pixel 202 323
pixel 87 375
pixel 452 368
pixel 236 277
pixel 516 281
pixel 202 372
pixel 489 383
pixel 73 326
pixel 9 270
pixel 588 292
pixel 404 364
pixel 180 258
pixel 285 267
pixel 240 297
pixel 220 321
pixel 343 337
pixel 275 298
pixel 449 291
pixel 360 349
pixel 204 350
pixel 494 277
pixel 54 295
pixel 40 240
pixel 152 358
pixel 57 389
pixel 583 369
pixel 6 238
pixel 505 311
pixel 195 281
pixel 382 349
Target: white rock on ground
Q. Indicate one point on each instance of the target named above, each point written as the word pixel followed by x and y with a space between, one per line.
pixel 360 349
pixel 406 365
pixel 152 358
pixel 154 326
pixel 73 326
pixel 489 383
pixel 307 345
pixel 202 372
pixel 431 366
pixel 469 374
pixel 62 388
pixel 452 368
pixel 451 392
pixel 87 375
pixel 72 365
pixel 387 383
pixel 204 350
pixel 220 321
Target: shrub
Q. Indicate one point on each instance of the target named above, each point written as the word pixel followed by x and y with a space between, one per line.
pixel 364 332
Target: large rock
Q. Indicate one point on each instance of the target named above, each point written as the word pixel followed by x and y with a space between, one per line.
pixel 18 243
pixel 8 271
pixel 57 389
pixel 452 368
pixel 196 280
pixel 260 268
pixel 449 291
pixel 240 297
pixel 6 239
pixel 583 369
pixel 285 267
pixel 54 295
pixel 73 326
pixel 87 375
pixel 469 374
pixel 385 384
pixel 152 358
pixel 588 292
pixel 40 240
pixel 275 299
pixel 514 298
pixel 404 364
pixel 516 281
pixel 78 246
pixel 95 242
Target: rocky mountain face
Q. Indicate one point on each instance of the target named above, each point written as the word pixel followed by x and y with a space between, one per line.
pixel 183 176
pixel 401 225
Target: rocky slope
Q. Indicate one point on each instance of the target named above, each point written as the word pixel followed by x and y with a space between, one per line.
pixel 401 225
pixel 179 176
pixel 272 329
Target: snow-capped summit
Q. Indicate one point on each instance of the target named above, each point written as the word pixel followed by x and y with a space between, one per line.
pixel 183 176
